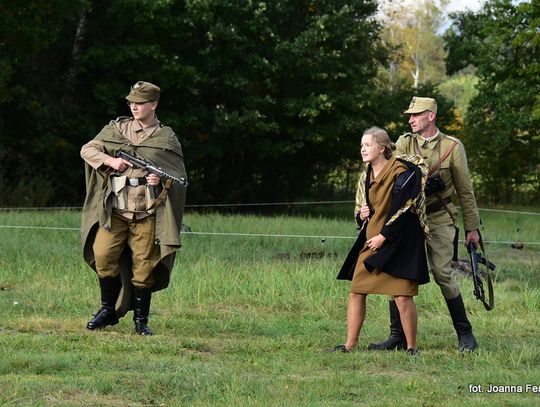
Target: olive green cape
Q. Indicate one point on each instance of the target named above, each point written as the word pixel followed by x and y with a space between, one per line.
pixel 163 150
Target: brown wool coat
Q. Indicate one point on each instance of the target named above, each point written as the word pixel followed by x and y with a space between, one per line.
pixel 403 253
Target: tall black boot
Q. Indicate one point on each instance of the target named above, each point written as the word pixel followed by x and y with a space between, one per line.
pixel 110 289
pixel 141 309
pixel 466 339
pixel 397 339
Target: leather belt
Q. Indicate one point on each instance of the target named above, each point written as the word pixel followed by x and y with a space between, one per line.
pixel 438 205
pixel 135 182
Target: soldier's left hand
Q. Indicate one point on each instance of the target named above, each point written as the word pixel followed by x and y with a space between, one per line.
pixel 152 180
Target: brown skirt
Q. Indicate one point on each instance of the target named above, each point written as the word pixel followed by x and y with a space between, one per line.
pixel 379 282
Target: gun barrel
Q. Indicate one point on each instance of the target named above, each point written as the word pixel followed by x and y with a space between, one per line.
pixel 134 160
pixel 164 174
pixel 150 167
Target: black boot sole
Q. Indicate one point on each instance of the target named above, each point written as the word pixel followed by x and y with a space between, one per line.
pixel 101 321
pixel 388 345
pixel 101 326
pixel 144 331
pixel 97 328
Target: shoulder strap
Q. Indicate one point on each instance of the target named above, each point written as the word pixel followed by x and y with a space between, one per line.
pixel 437 166
pixel 161 197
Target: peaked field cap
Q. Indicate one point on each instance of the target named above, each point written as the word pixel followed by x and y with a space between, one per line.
pixel 419 105
pixel 143 92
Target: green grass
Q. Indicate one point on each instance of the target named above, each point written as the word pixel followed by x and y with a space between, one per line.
pixel 245 320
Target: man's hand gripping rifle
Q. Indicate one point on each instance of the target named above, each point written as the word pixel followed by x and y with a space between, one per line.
pixel 478 275
pixel 151 168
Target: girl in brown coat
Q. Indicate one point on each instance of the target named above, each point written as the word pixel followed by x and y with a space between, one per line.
pixel 389 254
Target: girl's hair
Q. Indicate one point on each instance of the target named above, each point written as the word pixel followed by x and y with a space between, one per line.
pixel 380 136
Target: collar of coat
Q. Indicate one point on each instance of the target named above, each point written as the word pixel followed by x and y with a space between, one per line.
pixel 163 138
pixel 162 148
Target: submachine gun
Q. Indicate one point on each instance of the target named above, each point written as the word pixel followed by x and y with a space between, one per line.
pixel 151 168
pixel 479 277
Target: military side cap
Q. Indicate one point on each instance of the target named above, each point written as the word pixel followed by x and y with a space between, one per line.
pixel 143 92
pixel 419 105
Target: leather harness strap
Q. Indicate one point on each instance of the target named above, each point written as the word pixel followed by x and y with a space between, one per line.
pixel 161 197
pixel 437 166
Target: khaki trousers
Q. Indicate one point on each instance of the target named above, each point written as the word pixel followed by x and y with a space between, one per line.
pixel 139 235
pixel 440 250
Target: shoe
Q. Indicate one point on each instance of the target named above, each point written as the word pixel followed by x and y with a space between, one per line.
pixel 338 348
pixel 413 352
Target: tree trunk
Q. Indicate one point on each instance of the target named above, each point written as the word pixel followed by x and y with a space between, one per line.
pixel 75 56
pixel 416 73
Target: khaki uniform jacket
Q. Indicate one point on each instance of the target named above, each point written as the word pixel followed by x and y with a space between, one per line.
pixel 453 170
pixel 94 155
pixel 164 150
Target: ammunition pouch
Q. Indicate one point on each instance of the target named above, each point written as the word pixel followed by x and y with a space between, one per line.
pixel 434 185
pixel 119 192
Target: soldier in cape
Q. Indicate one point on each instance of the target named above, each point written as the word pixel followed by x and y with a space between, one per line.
pixel 448 175
pixel 131 219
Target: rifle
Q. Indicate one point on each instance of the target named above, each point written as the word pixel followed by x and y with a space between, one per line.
pixel 151 168
pixel 477 276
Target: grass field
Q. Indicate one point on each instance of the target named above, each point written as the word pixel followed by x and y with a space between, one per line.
pixel 245 321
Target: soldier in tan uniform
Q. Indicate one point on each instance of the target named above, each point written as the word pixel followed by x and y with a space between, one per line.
pixel 448 175
pixel 131 219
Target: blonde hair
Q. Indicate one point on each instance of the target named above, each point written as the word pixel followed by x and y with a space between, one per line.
pixel 380 136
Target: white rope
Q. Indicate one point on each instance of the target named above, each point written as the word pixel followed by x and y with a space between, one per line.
pixel 508 211
pixel 241 234
pixel 267 235
pixel 231 205
pixel 268 204
pixel 38 227
pixel 43 208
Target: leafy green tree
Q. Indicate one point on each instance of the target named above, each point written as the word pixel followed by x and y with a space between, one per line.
pixel 411 30
pixel 502 42
pixel 282 94
pixel 267 97
pixel 36 45
pixel 461 88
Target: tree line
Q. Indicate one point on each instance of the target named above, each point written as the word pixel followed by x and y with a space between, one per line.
pixel 268 98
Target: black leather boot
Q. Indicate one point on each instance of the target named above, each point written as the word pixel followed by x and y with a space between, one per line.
pixel 466 339
pixel 110 289
pixel 397 339
pixel 141 309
